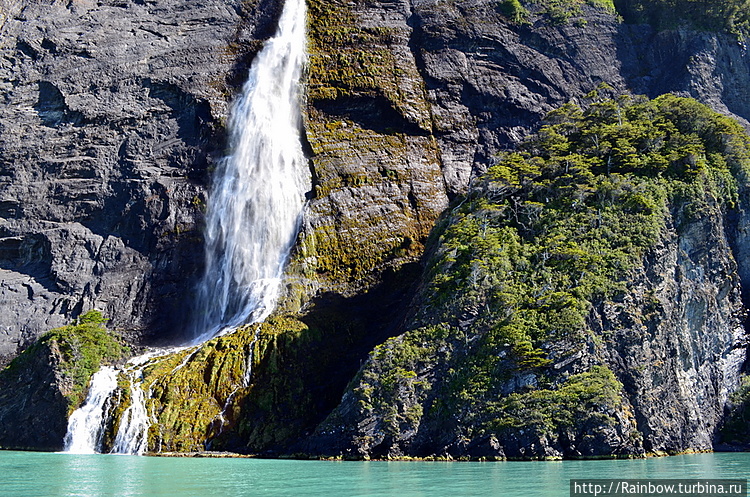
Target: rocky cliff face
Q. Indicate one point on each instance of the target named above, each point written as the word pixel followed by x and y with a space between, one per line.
pixel 487 84
pixel 570 306
pixel 113 119
pixel 112 115
pixel 673 346
pixel 689 353
pixel 34 409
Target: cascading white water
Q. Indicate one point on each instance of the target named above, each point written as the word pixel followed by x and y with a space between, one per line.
pixel 258 192
pixel 132 434
pixel 253 216
pixel 85 425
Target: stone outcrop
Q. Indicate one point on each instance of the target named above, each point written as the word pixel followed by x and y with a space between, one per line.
pixel 48 380
pixel 678 342
pixel 515 350
pixel 33 407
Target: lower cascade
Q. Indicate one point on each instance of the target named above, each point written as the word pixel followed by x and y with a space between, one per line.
pixel 253 217
pixel 85 425
pixel 132 434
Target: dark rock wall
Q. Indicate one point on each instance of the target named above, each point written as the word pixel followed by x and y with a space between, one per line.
pixel 489 81
pixel 112 119
pixel 112 116
pixel 678 341
pixel 33 407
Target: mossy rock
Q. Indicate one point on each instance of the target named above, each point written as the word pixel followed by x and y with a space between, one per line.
pixel 196 394
pixel 84 346
pixel 518 270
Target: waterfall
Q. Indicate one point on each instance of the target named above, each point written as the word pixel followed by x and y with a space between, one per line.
pixel 254 211
pixel 258 191
pixel 132 434
pixel 86 424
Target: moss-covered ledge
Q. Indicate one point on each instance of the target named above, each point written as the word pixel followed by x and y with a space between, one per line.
pixel 45 383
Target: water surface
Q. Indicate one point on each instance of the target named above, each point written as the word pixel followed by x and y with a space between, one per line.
pixel 90 475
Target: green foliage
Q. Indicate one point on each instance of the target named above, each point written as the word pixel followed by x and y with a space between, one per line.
pixel 562 221
pixel 560 225
pixel 593 394
pixel 92 317
pixel 562 11
pixel 393 385
pixel 84 347
pixel 513 10
pixel 732 16
pixel 736 429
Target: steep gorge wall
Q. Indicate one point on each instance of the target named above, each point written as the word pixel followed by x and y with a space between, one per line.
pixel 487 84
pixel 106 149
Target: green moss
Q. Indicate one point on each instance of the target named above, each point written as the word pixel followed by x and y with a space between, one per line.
pixel 344 57
pixel 349 59
pixel 85 346
pixel 736 428
pixel 194 392
pixel 350 63
pixel 591 396
pixel 197 395
pixel 557 11
pixel 349 247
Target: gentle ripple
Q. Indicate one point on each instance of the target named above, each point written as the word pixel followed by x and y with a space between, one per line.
pixel 90 475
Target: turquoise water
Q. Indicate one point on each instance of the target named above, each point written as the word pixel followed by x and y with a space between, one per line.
pixel 54 474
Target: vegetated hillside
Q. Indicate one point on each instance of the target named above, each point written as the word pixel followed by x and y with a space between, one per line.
pixel 731 16
pixel 408 104
pixel 44 384
pixel 582 300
